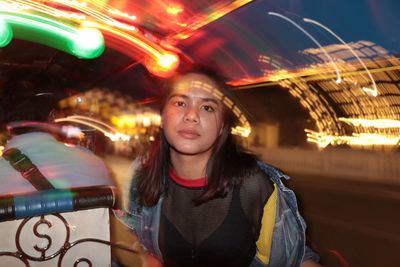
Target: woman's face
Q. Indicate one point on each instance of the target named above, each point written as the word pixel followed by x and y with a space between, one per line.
pixel 192 115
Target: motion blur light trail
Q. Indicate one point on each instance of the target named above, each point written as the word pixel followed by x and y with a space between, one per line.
pixel 6 33
pixel 40 22
pixel 374 90
pixel 360 139
pixel 340 257
pixel 378 123
pixel 338 78
pixel 158 61
pixel 201 21
pixel 106 129
pixel 82 42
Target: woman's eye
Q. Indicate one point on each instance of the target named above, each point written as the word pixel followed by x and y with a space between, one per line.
pixel 208 108
pixel 179 104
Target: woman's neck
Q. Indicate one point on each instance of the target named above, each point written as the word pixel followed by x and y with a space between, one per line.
pixel 189 166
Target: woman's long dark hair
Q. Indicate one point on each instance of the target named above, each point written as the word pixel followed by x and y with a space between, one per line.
pixel 226 168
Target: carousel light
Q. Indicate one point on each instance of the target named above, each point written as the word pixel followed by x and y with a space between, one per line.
pixel 6 33
pixel 89 43
pixel 241 131
pixel 163 65
pixel 127 38
pixel 158 60
pixel 361 139
pixel 338 76
pixel 374 90
pixel 174 9
pixel 122 14
pixel 51 32
pixel 106 129
pixel 29 6
pixel 374 123
pixel 201 21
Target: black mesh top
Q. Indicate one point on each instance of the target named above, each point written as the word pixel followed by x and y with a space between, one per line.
pixel 220 232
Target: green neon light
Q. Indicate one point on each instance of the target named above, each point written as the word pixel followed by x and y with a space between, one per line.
pixel 56 34
pixel 6 33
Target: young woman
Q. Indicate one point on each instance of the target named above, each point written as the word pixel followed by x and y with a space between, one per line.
pixel 198 199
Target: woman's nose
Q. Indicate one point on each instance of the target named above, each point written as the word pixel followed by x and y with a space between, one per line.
pixel 192 115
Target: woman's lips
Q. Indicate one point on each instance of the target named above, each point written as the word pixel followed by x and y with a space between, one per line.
pixel 188 134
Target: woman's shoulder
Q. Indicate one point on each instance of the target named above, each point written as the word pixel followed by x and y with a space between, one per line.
pixel 255 191
pixel 258 182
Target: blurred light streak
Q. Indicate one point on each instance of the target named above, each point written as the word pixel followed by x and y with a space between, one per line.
pixel 340 257
pixel 51 32
pixel 374 90
pixel 145 119
pixel 203 20
pixel 160 62
pixel 23 5
pixel 338 77
pixel 377 123
pixel 6 33
pixel 27 5
pixel 241 131
pixel 12 6
pixel 93 120
pixel 164 65
pixel 174 9
pixel 122 14
pixel 362 139
pixel 1 150
pixel 94 14
pixel 106 129
pixel 217 44
pixel 83 7
pixel 307 75
pixel 68 131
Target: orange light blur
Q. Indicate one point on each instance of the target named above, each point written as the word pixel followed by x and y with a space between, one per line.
pixel 125 38
pixel 164 66
pixel 106 129
pixel 360 139
pixel 158 61
pixel 202 20
pixel 174 10
pixel 122 14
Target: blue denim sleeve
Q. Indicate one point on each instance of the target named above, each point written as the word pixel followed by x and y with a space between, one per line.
pixel 310 254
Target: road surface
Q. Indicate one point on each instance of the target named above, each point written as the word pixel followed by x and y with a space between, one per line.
pixel 350 223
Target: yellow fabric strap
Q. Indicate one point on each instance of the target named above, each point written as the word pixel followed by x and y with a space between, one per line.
pixel 264 241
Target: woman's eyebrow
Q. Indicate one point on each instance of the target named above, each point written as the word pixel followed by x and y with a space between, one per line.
pixel 178 95
pixel 205 99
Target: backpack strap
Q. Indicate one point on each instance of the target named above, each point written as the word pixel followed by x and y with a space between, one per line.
pixel 21 163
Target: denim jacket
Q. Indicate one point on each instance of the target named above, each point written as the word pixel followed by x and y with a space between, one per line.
pixel 288 247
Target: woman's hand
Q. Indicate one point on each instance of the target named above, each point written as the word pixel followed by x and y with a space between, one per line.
pixel 150 261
